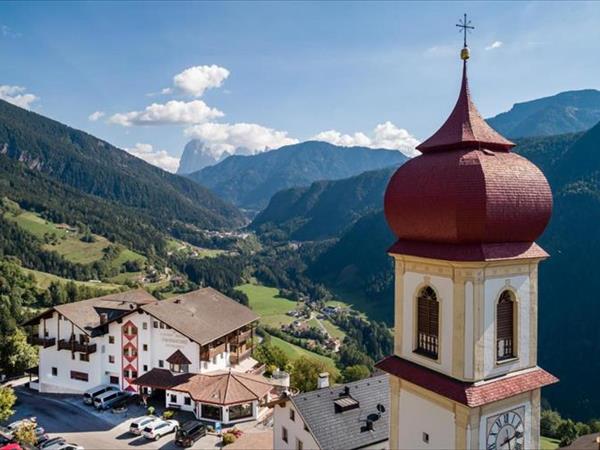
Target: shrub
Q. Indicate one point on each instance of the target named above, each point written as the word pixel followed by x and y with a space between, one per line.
pixel 168 414
pixel 229 438
pixel 151 410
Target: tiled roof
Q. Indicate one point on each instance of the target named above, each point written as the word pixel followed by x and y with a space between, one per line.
pixel 469 252
pixel 469 394
pixel 85 314
pixel 465 128
pixel 224 388
pixel 178 358
pixel 346 430
pixel 202 315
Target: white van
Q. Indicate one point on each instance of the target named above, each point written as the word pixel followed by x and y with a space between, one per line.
pixel 91 394
pixel 103 401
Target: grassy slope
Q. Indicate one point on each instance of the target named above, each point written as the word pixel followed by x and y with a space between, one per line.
pixel 43 280
pixel 294 352
pixel 68 243
pixel 267 303
pixel 548 443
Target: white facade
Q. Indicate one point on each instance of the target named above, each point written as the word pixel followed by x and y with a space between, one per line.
pixel 295 429
pixel 154 343
pixel 423 424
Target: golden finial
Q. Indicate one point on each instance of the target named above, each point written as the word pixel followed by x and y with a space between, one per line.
pixel 465 26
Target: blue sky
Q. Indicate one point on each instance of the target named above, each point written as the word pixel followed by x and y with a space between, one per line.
pixel 293 70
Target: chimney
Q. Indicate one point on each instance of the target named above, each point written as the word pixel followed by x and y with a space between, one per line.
pixel 323 381
pixel 103 318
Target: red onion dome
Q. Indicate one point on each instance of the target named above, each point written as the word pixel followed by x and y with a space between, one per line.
pixel 467 187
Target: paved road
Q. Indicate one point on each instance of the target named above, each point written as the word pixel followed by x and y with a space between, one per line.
pixel 78 425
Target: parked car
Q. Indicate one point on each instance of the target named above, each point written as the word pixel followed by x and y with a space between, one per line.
pixel 17 423
pixel 189 433
pixel 137 425
pixel 159 428
pixel 106 400
pixel 91 394
pixel 64 446
pixel 51 442
pixel 11 446
pixel 40 433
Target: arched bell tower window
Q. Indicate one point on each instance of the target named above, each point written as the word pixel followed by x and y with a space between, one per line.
pixel 428 323
pixel 505 326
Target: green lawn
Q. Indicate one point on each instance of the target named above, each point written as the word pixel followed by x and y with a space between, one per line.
pixel 547 443
pixel 127 255
pixel 44 279
pixel 333 330
pixel 265 301
pixel 294 352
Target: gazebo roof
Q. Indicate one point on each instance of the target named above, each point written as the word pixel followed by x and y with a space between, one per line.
pixel 178 358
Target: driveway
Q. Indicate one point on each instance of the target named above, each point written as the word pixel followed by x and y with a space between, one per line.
pixel 62 416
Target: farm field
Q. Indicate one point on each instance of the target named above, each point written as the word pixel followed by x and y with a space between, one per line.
pixel 547 443
pixel 294 352
pixel 44 279
pixel 271 308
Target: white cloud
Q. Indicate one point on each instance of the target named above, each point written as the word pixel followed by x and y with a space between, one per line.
pixel 17 96
pixel 238 138
pixel 195 80
pixel 385 135
pixel 494 45
pixel 172 112
pixel 159 158
pixel 9 32
pixel 95 116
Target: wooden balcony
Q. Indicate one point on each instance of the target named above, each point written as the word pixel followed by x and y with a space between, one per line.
pixel 42 341
pixel 216 350
pixel 234 358
pixel 76 346
pixel 244 336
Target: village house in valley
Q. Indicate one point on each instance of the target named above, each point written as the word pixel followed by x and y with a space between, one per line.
pixel 193 350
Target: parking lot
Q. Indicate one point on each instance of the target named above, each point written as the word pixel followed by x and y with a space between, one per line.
pixel 67 416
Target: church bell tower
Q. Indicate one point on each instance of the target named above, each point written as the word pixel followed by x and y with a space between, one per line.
pixel 466 214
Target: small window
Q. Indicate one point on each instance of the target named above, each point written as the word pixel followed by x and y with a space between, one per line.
pixel 145 347
pixel 145 368
pixel 145 326
pixel 426 438
pixel 81 376
pixel 162 325
pixel 114 380
pixel 54 372
pixel 155 324
pixel 284 434
pixel 187 400
pixel 111 339
pixel 292 415
pixel 173 398
pixel 84 357
pixel 427 323
pixel 305 427
pixel 505 310
pixel 299 445
pixel 161 363
pixel 111 359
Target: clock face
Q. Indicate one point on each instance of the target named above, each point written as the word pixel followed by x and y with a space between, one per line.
pixel 506 432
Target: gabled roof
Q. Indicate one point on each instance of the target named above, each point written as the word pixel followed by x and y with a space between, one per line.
pixel 221 388
pixel 85 314
pixel 202 315
pixel 465 128
pixel 346 430
pixel 468 393
pixel 178 358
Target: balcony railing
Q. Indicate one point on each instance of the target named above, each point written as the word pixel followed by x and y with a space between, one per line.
pixel 43 341
pixel 236 359
pixel 427 345
pixel 504 349
pixel 214 351
pixel 75 346
pixel 244 335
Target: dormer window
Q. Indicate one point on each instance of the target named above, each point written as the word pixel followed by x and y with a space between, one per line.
pixel 179 368
pixel 427 323
pixel 505 326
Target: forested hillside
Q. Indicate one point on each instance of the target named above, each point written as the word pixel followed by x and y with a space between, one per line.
pixel 251 181
pixel 92 166
pixel 566 112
